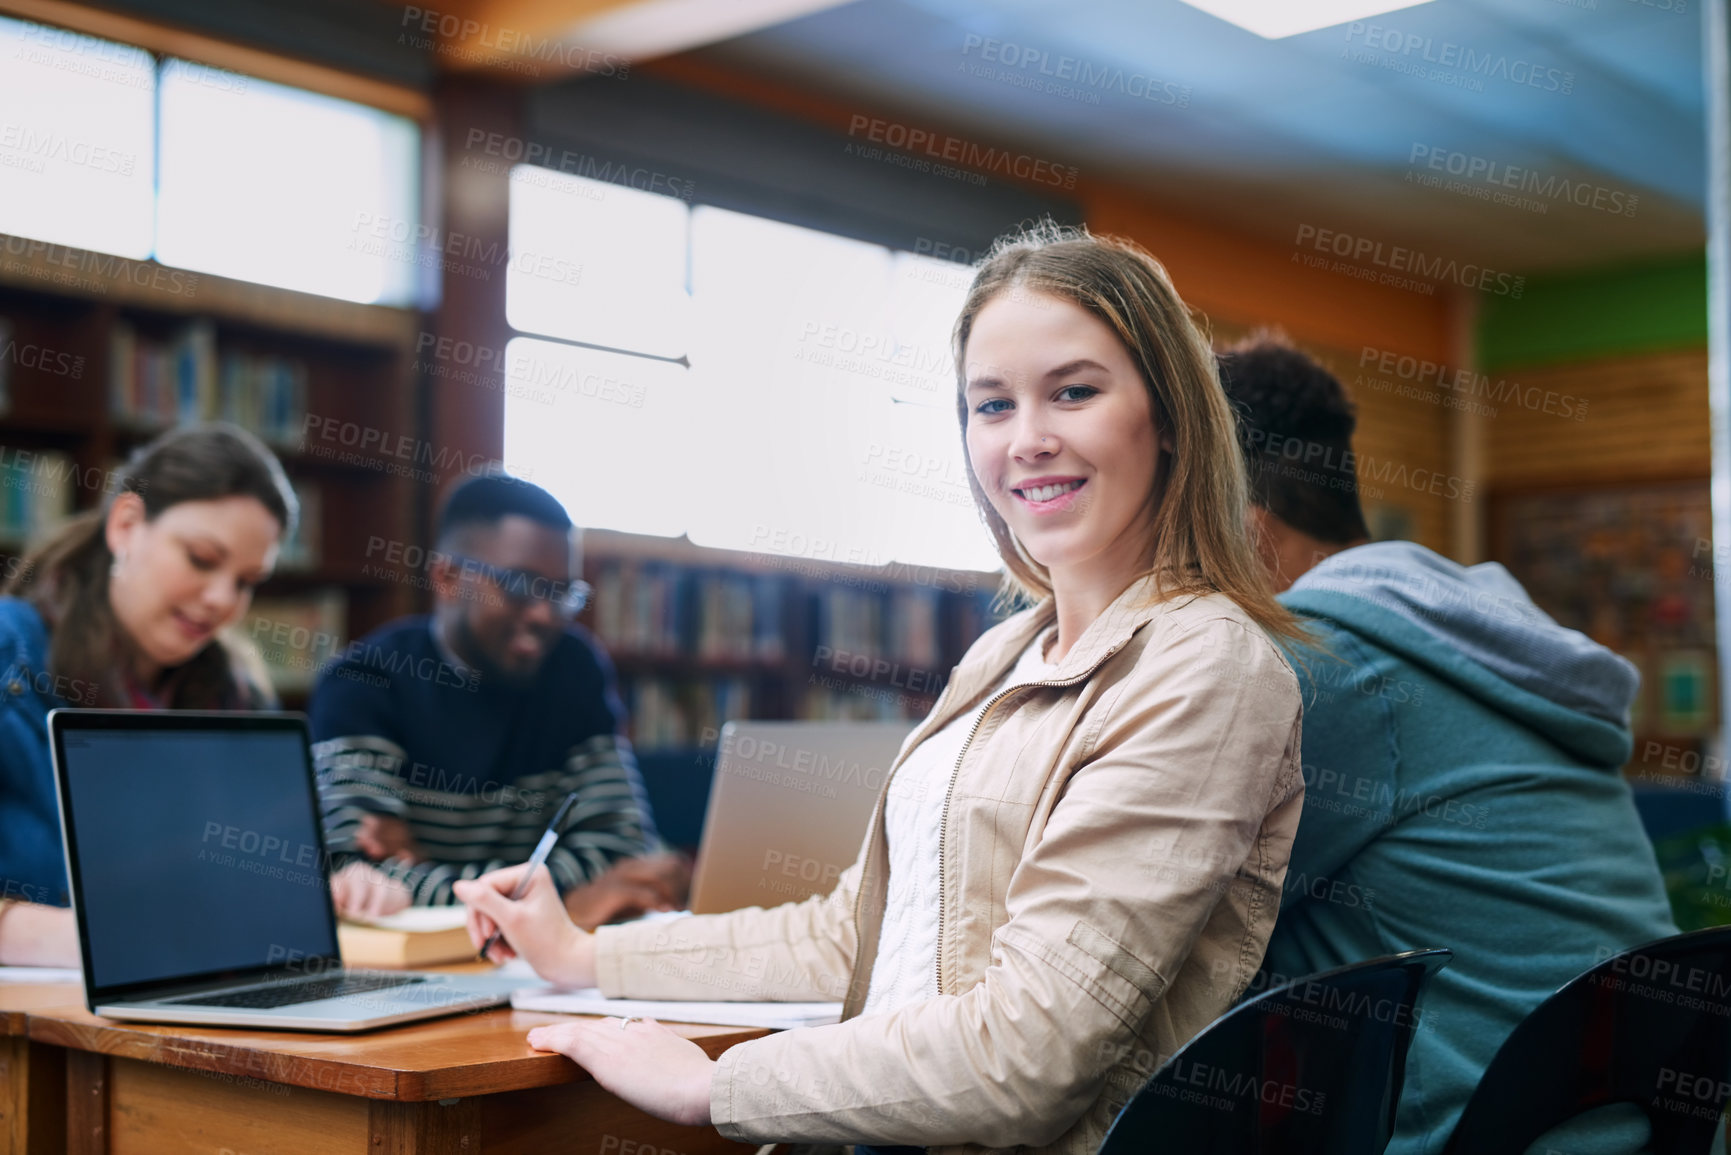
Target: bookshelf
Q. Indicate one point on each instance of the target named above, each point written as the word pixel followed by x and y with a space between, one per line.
pixel 94 364
pixel 701 636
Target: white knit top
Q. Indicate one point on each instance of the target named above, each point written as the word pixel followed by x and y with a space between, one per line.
pixel 905 970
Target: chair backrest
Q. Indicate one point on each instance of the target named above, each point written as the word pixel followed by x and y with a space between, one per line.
pixel 1650 1026
pixel 1315 1065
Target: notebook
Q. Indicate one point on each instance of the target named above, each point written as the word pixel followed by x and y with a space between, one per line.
pixel 590 1001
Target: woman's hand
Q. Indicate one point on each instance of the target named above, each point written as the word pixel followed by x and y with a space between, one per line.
pixel 535 926
pixel 361 890
pixel 33 935
pixel 647 1065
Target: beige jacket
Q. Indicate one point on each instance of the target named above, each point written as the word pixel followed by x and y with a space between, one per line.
pixel 1112 852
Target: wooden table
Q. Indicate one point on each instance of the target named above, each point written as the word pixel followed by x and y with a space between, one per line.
pixel 74 1082
pixel 32 1076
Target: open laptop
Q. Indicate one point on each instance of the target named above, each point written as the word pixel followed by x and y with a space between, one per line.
pixel 788 807
pixel 199 878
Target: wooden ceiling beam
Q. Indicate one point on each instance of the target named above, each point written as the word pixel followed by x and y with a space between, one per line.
pixel 538 41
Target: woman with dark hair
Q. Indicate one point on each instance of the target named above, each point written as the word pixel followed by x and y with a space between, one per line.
pixel 123 608
pixel 1078 855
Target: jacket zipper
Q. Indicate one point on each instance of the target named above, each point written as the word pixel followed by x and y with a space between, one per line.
pixel 955 772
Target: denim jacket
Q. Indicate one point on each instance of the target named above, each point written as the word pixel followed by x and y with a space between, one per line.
pixel 32 866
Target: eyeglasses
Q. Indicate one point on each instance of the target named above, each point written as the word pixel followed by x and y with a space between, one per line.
pixel 520 588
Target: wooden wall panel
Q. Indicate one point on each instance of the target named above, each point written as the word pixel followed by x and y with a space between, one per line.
pixel 1404 461
pixel 1646 419
pixel 1238 280
pixel 1402 444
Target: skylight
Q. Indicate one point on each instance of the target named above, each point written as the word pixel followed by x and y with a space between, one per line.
pixel 1274 19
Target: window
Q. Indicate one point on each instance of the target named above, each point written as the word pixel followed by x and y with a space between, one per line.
pixel 102 147
pixel 596 262
pixel 605 431
pixel 77 139
pixel 285 187
pixel 798 384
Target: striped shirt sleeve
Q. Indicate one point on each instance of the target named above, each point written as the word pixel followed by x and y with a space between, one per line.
pixel 464 832
pixel 356 776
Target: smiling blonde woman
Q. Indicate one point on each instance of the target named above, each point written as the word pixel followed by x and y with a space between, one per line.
pixel 1079 853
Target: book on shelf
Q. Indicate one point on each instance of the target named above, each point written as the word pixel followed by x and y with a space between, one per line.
pixel 167 382
pixel 676 631
pixel 717 701
pixel 862 703
pixel 636 607
pixel 296 636
pixel 769 641
pixel 902 622
pixel 35 492
pixel 850 621
pixel 657 609
pixel 302 549
pixel 153 382
pixel 607 604
pixel 267 395
pixel 723 618
pixel 678 712
pixel 913 619
pixel 655 716
pixel 8 354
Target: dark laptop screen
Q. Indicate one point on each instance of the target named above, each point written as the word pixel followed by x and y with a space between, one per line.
pixel 196 851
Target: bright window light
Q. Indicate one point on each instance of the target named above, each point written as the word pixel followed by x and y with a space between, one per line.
pixel 783 314
pixel 817 417
pixel 830 392
pixel 935 519
pixel 606 432
pixel 1274 19
pixel 77 133
pixel 597 262
pixel 285 187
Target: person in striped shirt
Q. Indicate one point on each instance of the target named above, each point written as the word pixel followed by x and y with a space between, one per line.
pixel 444 743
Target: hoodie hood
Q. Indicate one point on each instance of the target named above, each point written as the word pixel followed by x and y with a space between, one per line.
pixel 1476 626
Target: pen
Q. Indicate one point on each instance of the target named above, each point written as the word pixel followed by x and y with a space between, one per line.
pixel 536 861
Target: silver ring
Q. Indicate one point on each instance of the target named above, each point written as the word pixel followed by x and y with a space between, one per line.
pixel 627 1021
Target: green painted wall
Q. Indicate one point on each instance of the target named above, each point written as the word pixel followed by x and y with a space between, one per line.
pixel 1611 312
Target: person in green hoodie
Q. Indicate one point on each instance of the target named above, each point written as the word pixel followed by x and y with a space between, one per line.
pixel 1461 765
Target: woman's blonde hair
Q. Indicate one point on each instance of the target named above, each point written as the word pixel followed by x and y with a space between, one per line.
pixel 1201 540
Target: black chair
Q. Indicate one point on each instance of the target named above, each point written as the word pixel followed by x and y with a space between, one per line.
pixel 1650 1026
pixel 1313 1066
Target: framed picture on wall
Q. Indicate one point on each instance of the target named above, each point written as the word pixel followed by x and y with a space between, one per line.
pixel 1630 566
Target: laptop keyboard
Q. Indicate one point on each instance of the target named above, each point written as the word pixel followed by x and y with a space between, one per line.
pixel 311 990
